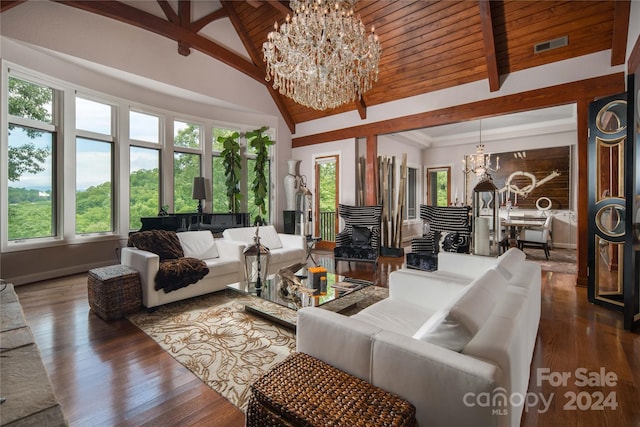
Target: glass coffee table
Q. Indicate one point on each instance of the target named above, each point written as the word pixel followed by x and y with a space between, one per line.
pixel 342 293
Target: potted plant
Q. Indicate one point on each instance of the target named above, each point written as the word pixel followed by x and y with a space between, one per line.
pixel 260 142
pixel 232 169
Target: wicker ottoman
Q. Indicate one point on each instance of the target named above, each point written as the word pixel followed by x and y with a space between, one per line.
pixel 304 391
pixel 114 291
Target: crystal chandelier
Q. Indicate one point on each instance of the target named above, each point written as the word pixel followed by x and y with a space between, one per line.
pixel 479 163
pixel 322 57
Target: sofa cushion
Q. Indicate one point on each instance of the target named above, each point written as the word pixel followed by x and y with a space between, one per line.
pixel 198 244
pixel 443 330
pixel 478 300
pixel 394 315
pixel 269 237
pixel 163 243
pixel 510 263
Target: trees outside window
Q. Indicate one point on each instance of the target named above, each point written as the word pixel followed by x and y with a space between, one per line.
pixel 95 139
pixel 186 166
pixel 31 164
pixel 144 184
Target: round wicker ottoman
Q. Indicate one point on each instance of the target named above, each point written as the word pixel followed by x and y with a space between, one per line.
pixel 304 391
pixel 114 291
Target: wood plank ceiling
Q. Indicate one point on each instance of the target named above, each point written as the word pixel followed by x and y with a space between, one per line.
pixel 426 45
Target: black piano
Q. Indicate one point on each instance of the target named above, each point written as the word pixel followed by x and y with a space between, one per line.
pixel 216 222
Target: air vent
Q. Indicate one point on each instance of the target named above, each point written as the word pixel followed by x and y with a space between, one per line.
pixel 551 44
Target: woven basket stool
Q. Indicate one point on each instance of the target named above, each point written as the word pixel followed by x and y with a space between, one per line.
pixel 304 391
pixel 114 291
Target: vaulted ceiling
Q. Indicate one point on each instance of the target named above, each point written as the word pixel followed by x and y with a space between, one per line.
pixel 426 45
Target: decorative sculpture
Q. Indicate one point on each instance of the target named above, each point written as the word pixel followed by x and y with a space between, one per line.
pixel 291 288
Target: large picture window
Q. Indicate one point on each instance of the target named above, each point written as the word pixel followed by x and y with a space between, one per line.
pixel 31 161
pixel 94 186
pixel 144 184
pixel 94 167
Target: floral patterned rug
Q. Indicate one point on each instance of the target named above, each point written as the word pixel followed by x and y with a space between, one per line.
pixel 214 338
pixel 224 346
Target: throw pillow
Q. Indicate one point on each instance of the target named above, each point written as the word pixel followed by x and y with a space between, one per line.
pixel 269 237
pixel 163 243
pixel 360 236
pixel 198 244
pixel 443 330
pixel 449 242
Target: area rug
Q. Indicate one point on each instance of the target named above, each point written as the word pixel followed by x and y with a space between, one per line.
pixel 227 348
pixel 560 260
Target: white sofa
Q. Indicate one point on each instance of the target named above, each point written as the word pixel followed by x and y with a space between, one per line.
pixel 285 249
pixel 443 339
pixel 223 258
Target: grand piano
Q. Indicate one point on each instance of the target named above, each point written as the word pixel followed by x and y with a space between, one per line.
pixel 216 222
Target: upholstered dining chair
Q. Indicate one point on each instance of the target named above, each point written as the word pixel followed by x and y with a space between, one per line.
pixel 360 239
pixel 538 237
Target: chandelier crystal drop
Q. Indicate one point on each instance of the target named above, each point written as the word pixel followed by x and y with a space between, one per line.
pixel 322 57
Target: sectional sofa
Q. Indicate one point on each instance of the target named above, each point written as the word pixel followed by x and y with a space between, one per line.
pixel 445 340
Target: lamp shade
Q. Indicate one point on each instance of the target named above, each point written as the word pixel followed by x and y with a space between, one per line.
pixel 201 188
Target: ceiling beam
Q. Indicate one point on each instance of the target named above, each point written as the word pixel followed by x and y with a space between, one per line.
pixel 8 4
pixel 184 12
pixel 620 31
pixel 486 24
pixel 256 57
pixel 207 19
pixel 530 100
pixel 171 15
pixel 282 6
pixel 362 108
pixel 147 21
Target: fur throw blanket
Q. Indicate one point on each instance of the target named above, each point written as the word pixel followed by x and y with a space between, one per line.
pixel 175 271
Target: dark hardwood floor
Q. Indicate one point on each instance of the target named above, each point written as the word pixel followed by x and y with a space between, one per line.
pixel 112 374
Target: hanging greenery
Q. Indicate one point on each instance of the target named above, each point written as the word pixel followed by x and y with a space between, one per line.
pixel 260 142
pixel 232 169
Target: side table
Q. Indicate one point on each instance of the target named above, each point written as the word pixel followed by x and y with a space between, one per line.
pixel 114 291
pixel 311 243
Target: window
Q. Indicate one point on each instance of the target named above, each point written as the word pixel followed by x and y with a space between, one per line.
pixel 412 193
pixel 94 186
pixel 144 127
pixel 94 167
pixel 144 167
pixel 31 196
pixel 144 184
pixel 438 186
pixel 186 166
pixel 186 134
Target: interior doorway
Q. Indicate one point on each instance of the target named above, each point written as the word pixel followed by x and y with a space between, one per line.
pixel 327 184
